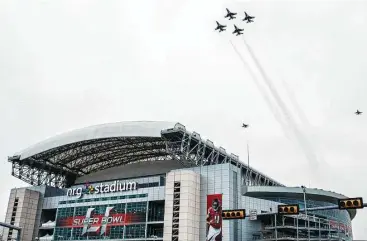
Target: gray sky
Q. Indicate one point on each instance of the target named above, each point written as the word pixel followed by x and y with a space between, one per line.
pixel 70 64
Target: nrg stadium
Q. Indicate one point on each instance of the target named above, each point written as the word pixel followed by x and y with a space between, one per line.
pixel 156 181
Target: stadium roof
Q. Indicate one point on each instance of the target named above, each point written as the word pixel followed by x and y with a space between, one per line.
pixel 58 161
pixel 119 129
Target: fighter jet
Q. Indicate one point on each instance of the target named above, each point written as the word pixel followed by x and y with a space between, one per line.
pixel 358 112
pixel 220 27
pixel 244 125
pixel 248 18
pixel 237 31
pixel 230 15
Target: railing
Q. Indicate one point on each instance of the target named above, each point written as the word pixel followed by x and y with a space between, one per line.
pixel 299 227
pixel 300 237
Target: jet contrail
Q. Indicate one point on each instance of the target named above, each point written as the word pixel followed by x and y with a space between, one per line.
pixel 298 109
pixel 268 101
pixel 304 144
pixel 304 121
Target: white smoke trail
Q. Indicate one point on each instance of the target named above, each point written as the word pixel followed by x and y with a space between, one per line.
pixel 303 142
pixel 268 101
pixel 302 116
pixel 323 165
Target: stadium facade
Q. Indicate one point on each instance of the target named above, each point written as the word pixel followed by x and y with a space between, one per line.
pixel 156 181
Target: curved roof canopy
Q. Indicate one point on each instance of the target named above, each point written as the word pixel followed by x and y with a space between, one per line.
pixel 58 161
pixel 112 130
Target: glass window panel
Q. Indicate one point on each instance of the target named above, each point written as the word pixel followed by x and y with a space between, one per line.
pixel 137 212
pixel 116 232
pixel 135 231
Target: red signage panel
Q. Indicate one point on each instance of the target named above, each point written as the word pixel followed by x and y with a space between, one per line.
pixel 214 217
pixel 100 224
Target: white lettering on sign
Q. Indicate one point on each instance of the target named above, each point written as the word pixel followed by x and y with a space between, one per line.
pixel 116 186
pixel 98 220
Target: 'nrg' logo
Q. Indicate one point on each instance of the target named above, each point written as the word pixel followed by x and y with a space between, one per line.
pixel 88 189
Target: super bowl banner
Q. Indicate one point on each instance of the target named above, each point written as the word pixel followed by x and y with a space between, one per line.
pixel 99 224
pixel 214 217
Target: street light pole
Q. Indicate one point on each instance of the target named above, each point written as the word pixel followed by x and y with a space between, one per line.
pixel 308 220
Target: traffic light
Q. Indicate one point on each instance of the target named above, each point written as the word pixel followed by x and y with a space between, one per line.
pixel 234 214
pixel 292 209
pixel 350 203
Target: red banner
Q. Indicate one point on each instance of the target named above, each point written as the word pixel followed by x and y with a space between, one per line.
pixel 214 217
pixel 116 219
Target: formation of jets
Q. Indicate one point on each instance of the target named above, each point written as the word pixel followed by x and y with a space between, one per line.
pixel 238 31
pixel 230 15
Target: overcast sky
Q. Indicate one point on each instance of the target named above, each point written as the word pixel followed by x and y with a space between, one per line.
pixel 70 64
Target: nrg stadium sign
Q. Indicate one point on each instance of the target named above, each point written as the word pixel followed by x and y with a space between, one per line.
pixel 116 186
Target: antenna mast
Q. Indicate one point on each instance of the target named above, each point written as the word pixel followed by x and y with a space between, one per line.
pixel 248 155
pixel 248 165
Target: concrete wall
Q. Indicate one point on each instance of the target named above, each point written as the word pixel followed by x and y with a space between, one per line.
pixel 189 213
pixel 26 213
